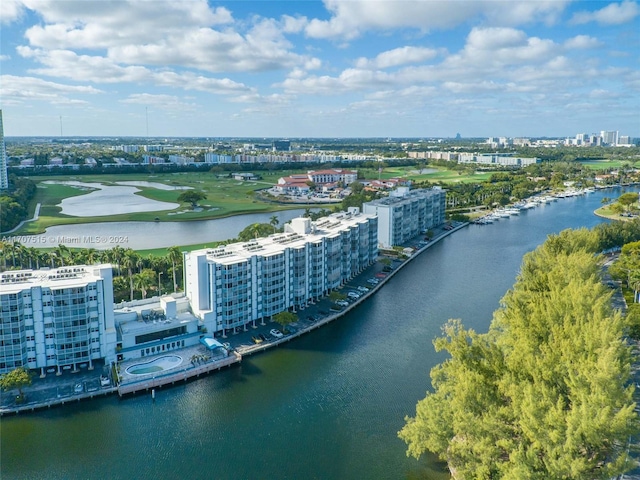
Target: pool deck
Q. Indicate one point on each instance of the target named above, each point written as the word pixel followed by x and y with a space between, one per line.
pixel 204 362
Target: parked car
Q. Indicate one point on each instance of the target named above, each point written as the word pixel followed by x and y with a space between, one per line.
pixel 104 381
pixel 353 295
pixel 276 333
pixel 78 388
pixel 363 289
pixel 256 340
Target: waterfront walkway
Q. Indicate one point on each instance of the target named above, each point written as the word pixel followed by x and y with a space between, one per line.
pixel 84 384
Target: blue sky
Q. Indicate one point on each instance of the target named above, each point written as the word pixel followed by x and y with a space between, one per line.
pixel 338 68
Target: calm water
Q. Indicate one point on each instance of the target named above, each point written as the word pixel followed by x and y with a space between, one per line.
pixel 327 406
pixel 146 235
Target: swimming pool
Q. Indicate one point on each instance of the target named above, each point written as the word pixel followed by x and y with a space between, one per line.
pixel 160 364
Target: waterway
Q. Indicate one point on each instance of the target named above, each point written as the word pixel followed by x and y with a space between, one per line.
pixel 326 406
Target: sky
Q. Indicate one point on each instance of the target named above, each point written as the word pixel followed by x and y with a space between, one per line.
pixel 332 68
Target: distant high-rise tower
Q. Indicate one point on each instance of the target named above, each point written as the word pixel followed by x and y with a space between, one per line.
pixel 4 176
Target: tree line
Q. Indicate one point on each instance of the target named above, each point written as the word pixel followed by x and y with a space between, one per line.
pixel 134 276
pixel 14 203
pixel 546 392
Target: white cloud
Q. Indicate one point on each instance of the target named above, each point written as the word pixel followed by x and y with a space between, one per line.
pixel 26 89
pixel 167 33
pixel 582 41
pixel 4 58
pixel 493 61
pixel 163 102
pixel 397 56
pixel 103 24
pixel 351 18
pixel 496 48
pixel 612 14
pixel 10 11
pixel 86 68
pixel 351 79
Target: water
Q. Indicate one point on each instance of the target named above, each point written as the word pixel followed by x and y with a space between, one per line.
pixel 147 235
pixel 326 406
pixel 109 200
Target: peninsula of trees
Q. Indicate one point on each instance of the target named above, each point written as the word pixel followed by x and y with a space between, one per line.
pixel 546 393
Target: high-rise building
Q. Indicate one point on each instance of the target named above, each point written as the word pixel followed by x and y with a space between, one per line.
pixel 233 286
pixel 609 138
pixel 56 319
pixel 4 176
pixel 405 213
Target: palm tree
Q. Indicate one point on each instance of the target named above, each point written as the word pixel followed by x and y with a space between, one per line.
pixel 175 256
pixel 255 228
pixel 89 255
pixel 32 254
pixel 13 246
pixel 274 221
pixel 117 255
pixel 61 251
pixel 21 253
pixel 51 257
pixel 105 256
pixel 144 281
pixel 129 261
pixel 4 251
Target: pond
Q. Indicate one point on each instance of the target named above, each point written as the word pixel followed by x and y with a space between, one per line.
pixel 109 200
pixel 147 235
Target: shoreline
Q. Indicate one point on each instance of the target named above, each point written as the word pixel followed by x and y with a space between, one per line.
pixel 182 376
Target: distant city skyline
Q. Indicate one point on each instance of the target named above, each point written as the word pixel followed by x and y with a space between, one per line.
pixel 332 69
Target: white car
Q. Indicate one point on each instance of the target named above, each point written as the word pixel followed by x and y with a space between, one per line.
pixel 276 333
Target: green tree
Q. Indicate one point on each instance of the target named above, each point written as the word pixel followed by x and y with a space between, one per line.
pixel 356 187
pixel 628 199
pixel 175 256
pixel 616 208
pixel 144 280
pixel 16 378
pixel 545 393
pixel 285 318
pixel 255 230
pixel 130 261
pixel 274 221
pixel 192 197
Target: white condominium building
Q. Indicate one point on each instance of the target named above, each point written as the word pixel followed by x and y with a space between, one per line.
pixel 58 318
pixel 406 213
pixel 236 285
pixel 495 159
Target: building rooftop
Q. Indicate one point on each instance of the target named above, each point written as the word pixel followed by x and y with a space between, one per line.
pixel 13 281
pixel 294 237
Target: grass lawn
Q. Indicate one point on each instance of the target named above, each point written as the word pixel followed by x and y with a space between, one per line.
pixel 225 197
pixel 604 164
pixel 441 174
